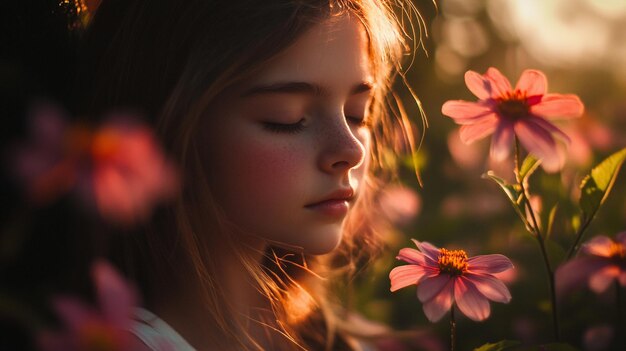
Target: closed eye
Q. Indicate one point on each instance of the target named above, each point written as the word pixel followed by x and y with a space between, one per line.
pixel 284 128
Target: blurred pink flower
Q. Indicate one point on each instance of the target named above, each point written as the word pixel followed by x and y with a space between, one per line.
pixel 444 277
pixel 466 156
pixel 603 261
pixel 40 163
pixel 88 328
pixel 588 134
pixel 118 168
pixel 598 338
pixel 399 204
pixel 508 112
pixel 129 173
pixel 476 205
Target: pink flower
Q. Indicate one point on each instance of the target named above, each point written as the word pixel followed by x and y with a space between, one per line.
pixel 88 328
pixel 598 338
pixel 129 174
pixel 603 261
pixel 400 204
pixel 118 168
pixel 508 112
pixel 444 277
pixel 40 163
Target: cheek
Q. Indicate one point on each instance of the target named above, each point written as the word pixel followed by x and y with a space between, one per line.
pixel 264 168
pixel 255 175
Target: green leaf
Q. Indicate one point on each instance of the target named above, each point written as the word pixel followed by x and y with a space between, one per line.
pixel 529 165
pixel 513 192
pixel 499 346
pixel 551 217
pixel 596 186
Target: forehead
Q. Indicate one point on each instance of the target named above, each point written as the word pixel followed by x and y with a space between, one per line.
pixel 333 53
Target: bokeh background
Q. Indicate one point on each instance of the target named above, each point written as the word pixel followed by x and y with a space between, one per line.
pixel 579 44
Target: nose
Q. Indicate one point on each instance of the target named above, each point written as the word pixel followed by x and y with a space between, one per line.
pixel 341 150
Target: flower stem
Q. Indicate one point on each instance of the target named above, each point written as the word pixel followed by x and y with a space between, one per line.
pixel 619 328
pixel 452 329
pixel 579 235
pixel 536 232
pixel 550 272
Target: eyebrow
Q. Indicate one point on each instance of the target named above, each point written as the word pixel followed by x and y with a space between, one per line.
pixel 301 88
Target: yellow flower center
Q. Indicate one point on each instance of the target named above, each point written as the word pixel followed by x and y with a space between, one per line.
pixel 453 262
pixel 513 106
pixel 617 250
pixel 105 144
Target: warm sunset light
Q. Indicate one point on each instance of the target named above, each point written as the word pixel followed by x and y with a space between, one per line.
pixel 381 175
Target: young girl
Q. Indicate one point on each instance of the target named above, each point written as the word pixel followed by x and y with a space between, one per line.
pixel 277 113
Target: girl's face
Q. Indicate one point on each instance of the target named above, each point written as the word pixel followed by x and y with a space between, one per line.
pixel 286 150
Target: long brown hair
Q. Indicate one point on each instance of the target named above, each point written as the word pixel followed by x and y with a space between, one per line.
pixel 170 60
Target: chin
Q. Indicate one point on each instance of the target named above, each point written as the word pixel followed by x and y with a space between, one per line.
pixel 323 242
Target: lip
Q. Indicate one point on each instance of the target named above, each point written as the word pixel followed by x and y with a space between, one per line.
pixel 335 204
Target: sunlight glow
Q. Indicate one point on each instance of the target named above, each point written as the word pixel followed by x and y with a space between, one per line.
pixel 582 33
pixel 299 305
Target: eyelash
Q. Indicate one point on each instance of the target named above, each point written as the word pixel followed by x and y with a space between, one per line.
pixel 284 128
pixel 299 126
pixel 360 122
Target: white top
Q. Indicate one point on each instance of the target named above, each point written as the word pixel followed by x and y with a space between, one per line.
pixel 157 334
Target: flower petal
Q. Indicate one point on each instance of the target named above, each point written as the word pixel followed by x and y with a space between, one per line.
pixel 576 273
pixel 117 298
pixel 489 264
pixel 621 238
pixel 435 308
pixel 532 82
pixel 471 302
pixel 471 133
pixel 116 195
pixel 602 279
pixel 499 84
pixel 558 106
pixel 490 286
pixel 466 112
pixel 598 337
pixel 552 129
pixel 412 256
pixel 478 85
pixel 598 246
pixel 430 287
pixel 502 141
pixel 73 312
pixel 539 142
pixel 403 276
pixel 427 249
